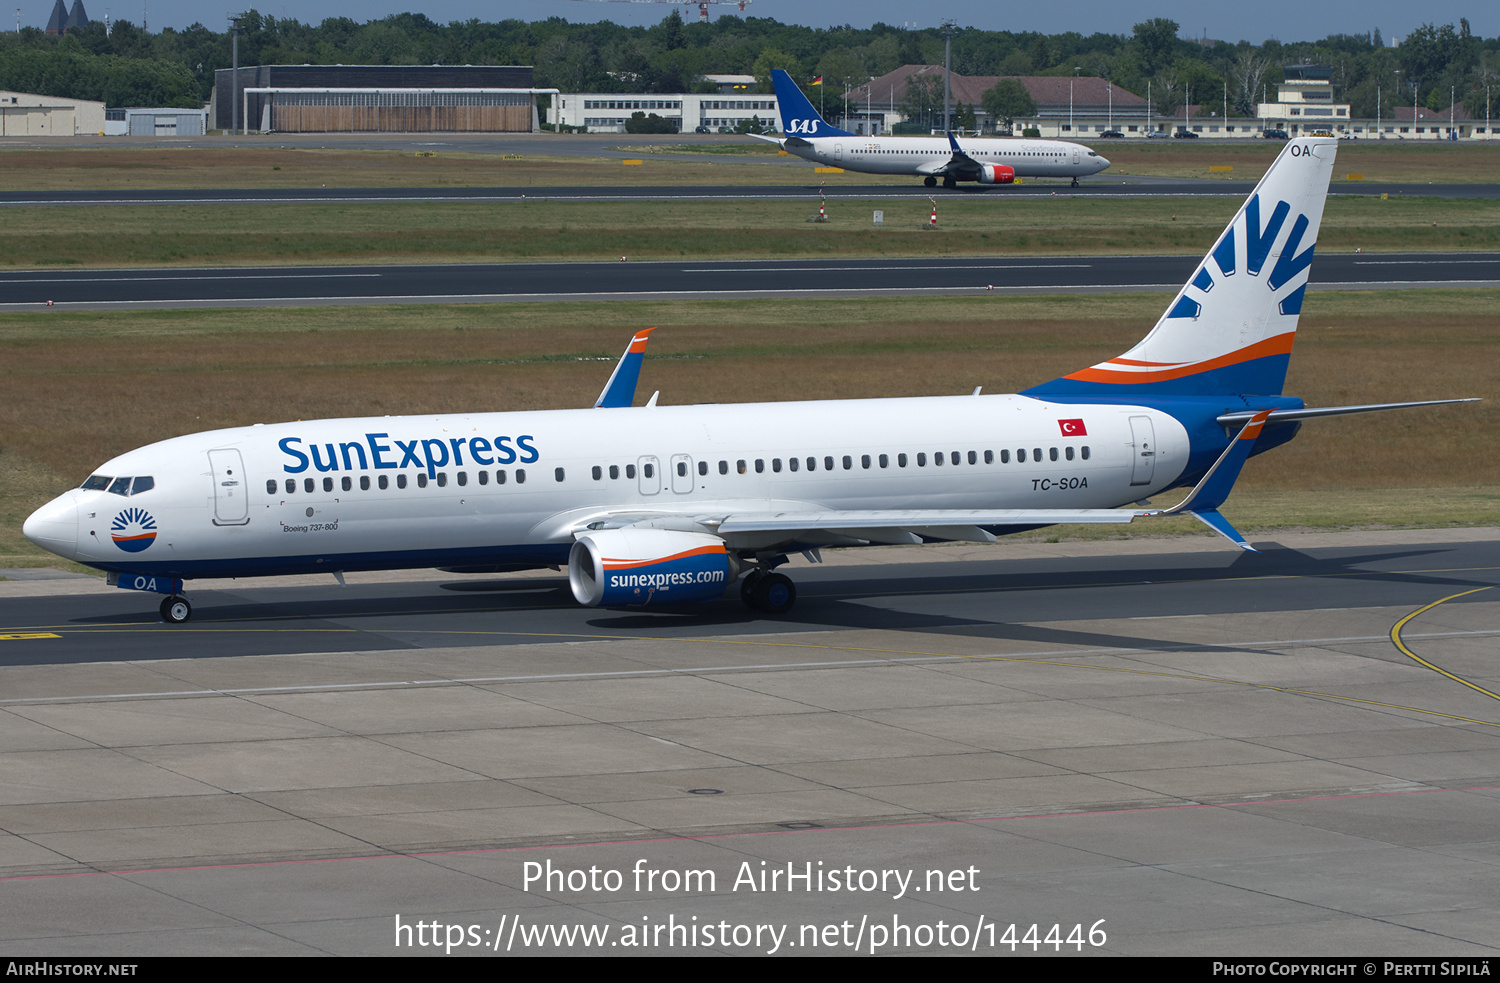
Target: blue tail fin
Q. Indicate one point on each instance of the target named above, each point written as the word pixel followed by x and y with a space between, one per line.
pixel 798 117
pixel 1229 331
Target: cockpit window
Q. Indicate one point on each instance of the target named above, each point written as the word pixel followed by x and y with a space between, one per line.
pixel 119 486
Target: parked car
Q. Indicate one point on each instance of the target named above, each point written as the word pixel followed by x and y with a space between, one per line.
pixel 1112 135
pixel 1156 135
pixel 1185 135
pixel 702 129
pixel 1275 134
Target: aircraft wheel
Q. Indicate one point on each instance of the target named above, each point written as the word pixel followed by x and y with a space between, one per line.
pixel 175 610
pixel 949 183
pixel 774 594
pixel 1075 182
pixel 747 586
pixel 929 181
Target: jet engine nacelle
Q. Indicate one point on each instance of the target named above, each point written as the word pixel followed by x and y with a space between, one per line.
pixel 635 567
pixel 996 174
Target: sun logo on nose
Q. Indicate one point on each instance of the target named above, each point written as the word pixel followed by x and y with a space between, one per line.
pixel 133 530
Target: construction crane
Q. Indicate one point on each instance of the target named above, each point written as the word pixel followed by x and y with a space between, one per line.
pixel 702 5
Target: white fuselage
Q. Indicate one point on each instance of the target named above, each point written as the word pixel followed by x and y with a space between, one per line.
pixel 514 488
pixel 922 156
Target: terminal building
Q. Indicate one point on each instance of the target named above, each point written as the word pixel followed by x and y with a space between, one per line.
pixel 376 98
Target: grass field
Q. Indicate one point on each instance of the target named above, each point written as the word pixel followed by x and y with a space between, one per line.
pixel 973 225
pixel 81 387
pixel 742 161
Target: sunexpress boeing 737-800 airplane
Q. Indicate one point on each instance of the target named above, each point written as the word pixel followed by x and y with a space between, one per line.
pixel 659 505
pixel 988 161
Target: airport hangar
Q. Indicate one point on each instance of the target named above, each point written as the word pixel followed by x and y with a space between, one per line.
pixel 376 98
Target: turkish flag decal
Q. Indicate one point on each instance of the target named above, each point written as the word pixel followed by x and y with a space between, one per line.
pixel 1072 428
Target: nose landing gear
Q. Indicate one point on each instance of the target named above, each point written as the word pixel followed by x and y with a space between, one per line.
pixel 176 609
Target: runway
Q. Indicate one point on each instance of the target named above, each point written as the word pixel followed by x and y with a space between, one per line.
pixel 1105 185
pixel 1169 746
pixel 693 278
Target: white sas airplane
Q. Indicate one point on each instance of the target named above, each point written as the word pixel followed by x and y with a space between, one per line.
pixel 986 160
pixel 657 505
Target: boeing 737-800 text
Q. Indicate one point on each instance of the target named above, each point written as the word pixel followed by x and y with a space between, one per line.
pixel 657 505
pixel 987 160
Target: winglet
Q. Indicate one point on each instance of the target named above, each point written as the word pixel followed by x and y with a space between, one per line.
pixel 620 389
pixel 1204 500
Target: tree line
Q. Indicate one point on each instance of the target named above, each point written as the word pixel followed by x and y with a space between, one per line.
pixel 131 67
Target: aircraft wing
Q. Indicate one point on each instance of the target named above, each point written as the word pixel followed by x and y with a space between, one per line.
pixel 959 165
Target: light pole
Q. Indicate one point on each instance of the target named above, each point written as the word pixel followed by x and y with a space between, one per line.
pixel 948 26
pixel 1398 94
pixel 234 86
pixel 1071 131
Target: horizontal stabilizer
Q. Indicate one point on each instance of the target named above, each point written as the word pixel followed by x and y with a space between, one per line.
pixel 1239 417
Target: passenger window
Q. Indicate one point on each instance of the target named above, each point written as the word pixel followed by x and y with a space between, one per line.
pixel 1052 453
pixel 348 483
pixel 364 482
pixel 827 464
pixel 1021 455
pixel 937 459
pixel 703 467
pixel 1085 452
pixel 520 476
pixel 989 457
pixel 849 462
pixel 776 464
pixel 682 469
pixel 760 465
pixel 463 478
pixel 400 481
pixel 291 486
pixel 614 472
pixel 922 460
pixel 1005 457
pixel 558 474
pixel 597 472
pixel 309 485
pixel 812 464
pixel 723 467
pixel 864 461
pixel 900 460
pixel 740 466
pixel 270 486
pixel 484 478
pixel 421 481
pixel 143 484
pixel 384 482
pixel 630 471
pixel 954 458
pixel 647 471
pixel 442 479
pixel 973 458
pixel 1068 453
pixel 1036 453
pixel 499 477
pixel 792 463
pixel 328 484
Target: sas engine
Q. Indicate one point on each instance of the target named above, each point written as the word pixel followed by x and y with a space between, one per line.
pixel 996 174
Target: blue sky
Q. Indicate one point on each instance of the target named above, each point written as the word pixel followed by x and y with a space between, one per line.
pixel 1286 20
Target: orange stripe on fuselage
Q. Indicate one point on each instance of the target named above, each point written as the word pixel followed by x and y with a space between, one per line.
pixel 1279 345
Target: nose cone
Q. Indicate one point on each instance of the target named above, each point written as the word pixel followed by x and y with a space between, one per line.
pixel 54 526
pixel 1103 163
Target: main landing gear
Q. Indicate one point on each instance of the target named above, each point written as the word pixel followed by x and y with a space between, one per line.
pixel 768 593
pixel 929 181
pixel 176 609
pixel 1075 182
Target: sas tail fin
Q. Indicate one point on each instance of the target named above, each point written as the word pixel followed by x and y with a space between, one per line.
pixel 1229 331
pixel 798 117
